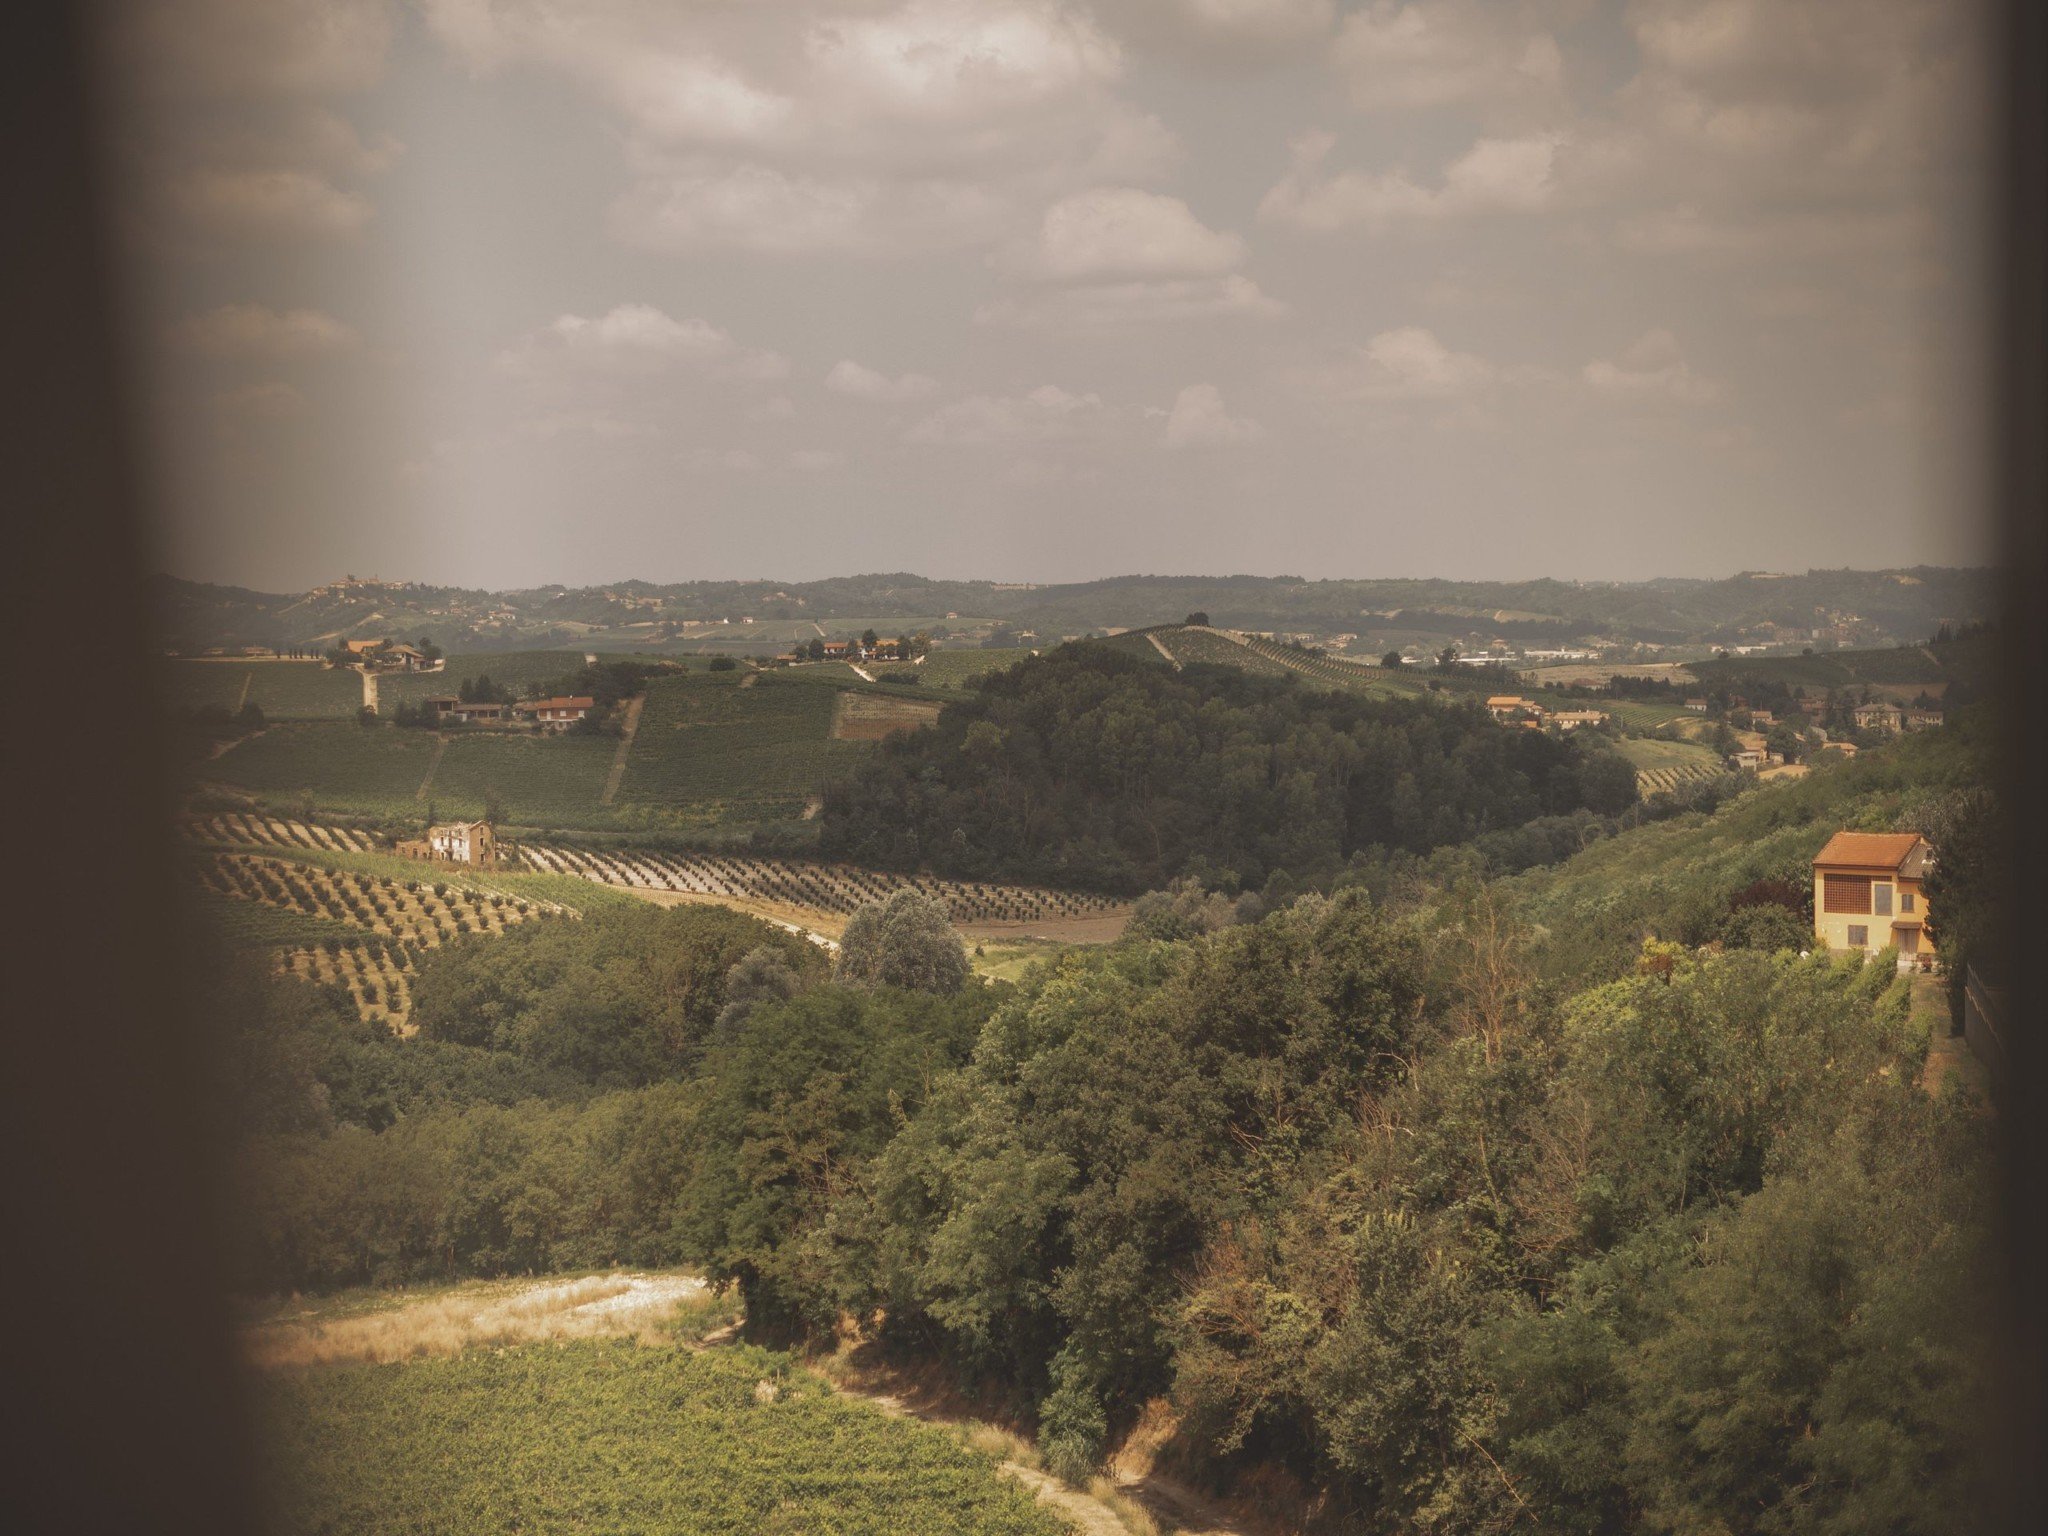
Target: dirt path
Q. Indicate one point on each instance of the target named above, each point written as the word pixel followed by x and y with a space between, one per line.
pixel 369 690
pixel 1159 645
pixel 242 698
pixel 627 728
pixel 433 764
pixel 1172 1509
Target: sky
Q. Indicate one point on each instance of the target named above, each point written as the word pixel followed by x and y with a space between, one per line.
pixel 504 292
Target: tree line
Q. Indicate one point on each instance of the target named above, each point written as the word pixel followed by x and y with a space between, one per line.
pixel 1092 768
pixel 1399 1231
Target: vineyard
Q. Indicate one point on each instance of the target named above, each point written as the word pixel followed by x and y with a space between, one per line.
pixel 719 752
pixel 283 690
pixel 1664 766
pixel 621 1438
pixel 377 925
pixel 834 888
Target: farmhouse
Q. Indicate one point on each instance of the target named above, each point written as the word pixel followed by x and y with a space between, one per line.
pixel 1697 706
pixel 1867 893
pixel 1923 720
pixel 463 842
pixel 1572 719
pixel 1878 717
pixel 405 658
pixel 1505 706
pixel 838 650
pixel 557 714
pixel 480 712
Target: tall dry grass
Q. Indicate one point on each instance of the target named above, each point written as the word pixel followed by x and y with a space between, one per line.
pixel 596 1306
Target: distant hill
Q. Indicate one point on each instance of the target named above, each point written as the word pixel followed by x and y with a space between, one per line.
pixel 1825 608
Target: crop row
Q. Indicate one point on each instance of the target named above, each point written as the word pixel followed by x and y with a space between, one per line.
pixel 270 832
pixel 1658 781
pixel 420 911
pixel 822 887
pixel 375 976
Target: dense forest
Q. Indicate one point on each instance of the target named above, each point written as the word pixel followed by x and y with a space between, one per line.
pixel 1089 767
pixel 1581 1202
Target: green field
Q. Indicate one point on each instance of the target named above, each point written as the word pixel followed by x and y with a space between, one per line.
pixel 722 752
pixel 1636 715
pixel 343 766
pixel 1892 666
pixel 283 690
pixel 619 1438
pixel 555 781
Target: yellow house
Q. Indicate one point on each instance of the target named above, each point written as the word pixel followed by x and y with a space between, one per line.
pixel 1867 893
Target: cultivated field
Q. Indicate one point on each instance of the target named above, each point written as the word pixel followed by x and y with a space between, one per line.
pixel 617 1437
pixel 1662 766
pixel 357 929
pixel 833 888
pixel 283 690
pixel 711 751
pixel 872 716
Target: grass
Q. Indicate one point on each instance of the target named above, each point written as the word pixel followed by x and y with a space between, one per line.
pixel 619 1438
pixel 1009 959
pixel 1635 714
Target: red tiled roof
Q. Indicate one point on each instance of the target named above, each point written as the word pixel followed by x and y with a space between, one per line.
pixel 1868 850
pixel 577 702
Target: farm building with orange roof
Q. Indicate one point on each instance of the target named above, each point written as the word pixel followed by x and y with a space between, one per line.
pixel 1868 893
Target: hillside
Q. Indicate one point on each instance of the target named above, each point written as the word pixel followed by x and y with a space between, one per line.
pixel 1868 607
pixel 1673 880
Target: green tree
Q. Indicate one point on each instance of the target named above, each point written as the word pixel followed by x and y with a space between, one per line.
pixel 907 941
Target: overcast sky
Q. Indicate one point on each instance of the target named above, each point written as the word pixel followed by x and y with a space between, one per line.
pixel 502 292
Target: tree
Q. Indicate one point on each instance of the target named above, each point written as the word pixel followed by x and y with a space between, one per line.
pixel 1447 657
pixel 868 640
pixel 816 648
pixel 761 975
pixel 721 664
pixel 907 941
pixel 1391 661
pixel 1197 620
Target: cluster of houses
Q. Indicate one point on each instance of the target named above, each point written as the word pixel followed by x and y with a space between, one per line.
pixel 1513 709
pixel 1891 719
pixel 852 650
pixel 555 714
pixel 390 656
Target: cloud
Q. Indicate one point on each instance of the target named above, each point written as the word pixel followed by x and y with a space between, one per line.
pixel 1120 255
pixel 283 206
pixel 1494 175
pixel 851 130
pixel 1225 34
pixel 1199 420
pixel 1047 414
pixel 1138 303
pixel 758 208
pixel 850 378
pixel 1651 367
pixel 637 341
pixel 813 460
pixel 1437 53
pixel 260 49
pixel 251 331
pixel 1123 232
pixel 270 401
